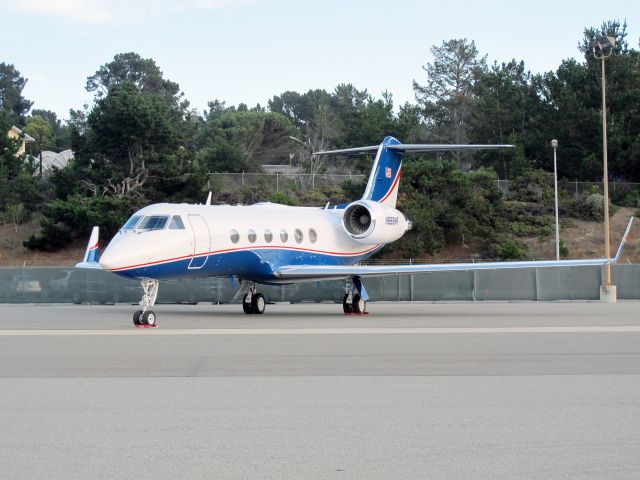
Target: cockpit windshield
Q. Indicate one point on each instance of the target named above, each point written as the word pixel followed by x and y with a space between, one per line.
pixel 153 222
pixel 131 223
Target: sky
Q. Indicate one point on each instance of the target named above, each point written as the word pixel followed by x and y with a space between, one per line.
pixel 250 50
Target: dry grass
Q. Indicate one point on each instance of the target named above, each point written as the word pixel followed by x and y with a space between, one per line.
pixel 586 239
pixel 13 252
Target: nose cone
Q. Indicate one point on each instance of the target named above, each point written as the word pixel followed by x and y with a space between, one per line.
pixel 114 256
pixel 106 260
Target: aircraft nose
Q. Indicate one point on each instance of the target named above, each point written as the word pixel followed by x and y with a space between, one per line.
pixel 111 258
pixel 106 260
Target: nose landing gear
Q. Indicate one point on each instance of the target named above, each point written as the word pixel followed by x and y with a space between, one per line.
pixel 146 317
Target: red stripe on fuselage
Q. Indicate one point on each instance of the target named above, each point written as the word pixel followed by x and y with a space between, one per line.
pixel 266 247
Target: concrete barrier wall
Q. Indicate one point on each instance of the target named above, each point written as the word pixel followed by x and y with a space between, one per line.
pixel 65 285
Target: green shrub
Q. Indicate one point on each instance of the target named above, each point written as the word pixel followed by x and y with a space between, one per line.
pixel 631 199
pixel 584 207
pixel 533 186
pixel 282 198
pixel 66 220
pixel 512 250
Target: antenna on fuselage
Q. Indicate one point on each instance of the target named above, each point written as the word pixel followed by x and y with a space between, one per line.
pixel 208 202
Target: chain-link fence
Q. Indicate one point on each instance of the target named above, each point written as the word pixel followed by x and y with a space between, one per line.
pixel 66 285
pixel 279 181
pixel 616 189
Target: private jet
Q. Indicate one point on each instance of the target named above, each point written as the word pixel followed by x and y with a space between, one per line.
pixel 272 244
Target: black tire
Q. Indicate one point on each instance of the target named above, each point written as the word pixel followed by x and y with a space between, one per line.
pixel 247 307
pixel 149 318
pixel 259 303
pixel 136 317
pixel 346 307
pixel 359 305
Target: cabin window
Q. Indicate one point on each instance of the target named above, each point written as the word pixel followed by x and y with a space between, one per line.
pixel 153 222
pixel 131 223
pixel 176 223
pixel 234 236
pixel 313 236
pixel 298 234
pixel 284 236
pixel 268 236
pixel 251 235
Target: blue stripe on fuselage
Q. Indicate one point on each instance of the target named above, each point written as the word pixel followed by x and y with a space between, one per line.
pixel 257 265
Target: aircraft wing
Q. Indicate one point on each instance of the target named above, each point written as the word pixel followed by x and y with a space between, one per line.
pixel 334 272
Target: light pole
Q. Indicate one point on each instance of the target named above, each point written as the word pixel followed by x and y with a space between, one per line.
pixel 554 144
pixel 602 48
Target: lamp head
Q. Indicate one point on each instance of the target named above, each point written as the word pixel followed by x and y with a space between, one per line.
pixel 602 47
pixel 554 143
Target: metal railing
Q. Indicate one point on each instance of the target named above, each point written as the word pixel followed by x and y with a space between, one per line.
pixel 276 180
pixel 66 285
pixel 576 187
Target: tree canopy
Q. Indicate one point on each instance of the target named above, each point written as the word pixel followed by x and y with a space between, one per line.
pixel 138 141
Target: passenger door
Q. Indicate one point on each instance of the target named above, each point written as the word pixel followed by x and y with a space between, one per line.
pixel 201 242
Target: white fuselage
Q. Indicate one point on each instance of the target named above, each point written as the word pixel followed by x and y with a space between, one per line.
pixel 246 241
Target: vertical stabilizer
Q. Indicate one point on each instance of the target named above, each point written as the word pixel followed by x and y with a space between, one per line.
pixel 385 175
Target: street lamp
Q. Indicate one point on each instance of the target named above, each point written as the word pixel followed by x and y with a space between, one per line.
pixel 554 144
pixel 602 48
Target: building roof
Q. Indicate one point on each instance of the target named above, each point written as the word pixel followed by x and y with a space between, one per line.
pixel 27 138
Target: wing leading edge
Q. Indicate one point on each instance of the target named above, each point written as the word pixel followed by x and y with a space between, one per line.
pixel 330 272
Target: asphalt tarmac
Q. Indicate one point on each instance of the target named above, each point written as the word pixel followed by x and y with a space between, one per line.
pixel 485 390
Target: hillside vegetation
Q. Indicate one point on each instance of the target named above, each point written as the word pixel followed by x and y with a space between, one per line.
pixel 140 142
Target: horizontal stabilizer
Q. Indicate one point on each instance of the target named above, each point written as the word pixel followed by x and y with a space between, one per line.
pixel 350 151
pixel 417 148
pixel 411 148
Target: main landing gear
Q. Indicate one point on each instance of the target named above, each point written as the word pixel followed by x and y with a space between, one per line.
pixel 146 317
pixel 354 300
pixel 253 302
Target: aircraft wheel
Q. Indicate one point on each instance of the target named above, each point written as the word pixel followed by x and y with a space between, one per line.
pixel 149 318
pixel 247 307
pixel 258 303
pixel 346 307
pixel 359 305
pixel 136 317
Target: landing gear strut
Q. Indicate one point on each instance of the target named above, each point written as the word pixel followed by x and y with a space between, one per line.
pixel 354 300
pixel 253 302
pixel 149 293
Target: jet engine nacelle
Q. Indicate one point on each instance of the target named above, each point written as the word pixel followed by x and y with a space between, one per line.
pixel 369 222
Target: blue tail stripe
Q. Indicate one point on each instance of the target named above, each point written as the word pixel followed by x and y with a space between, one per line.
pixel 384 172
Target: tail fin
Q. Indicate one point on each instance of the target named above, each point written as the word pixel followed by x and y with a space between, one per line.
pixel 384 179
pixel 91 254
pixel 385 174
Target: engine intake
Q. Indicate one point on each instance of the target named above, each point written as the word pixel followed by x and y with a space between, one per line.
pixel 370 222
pixel 357 219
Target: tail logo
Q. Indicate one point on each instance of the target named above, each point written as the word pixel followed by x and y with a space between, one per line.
pixel 387 172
